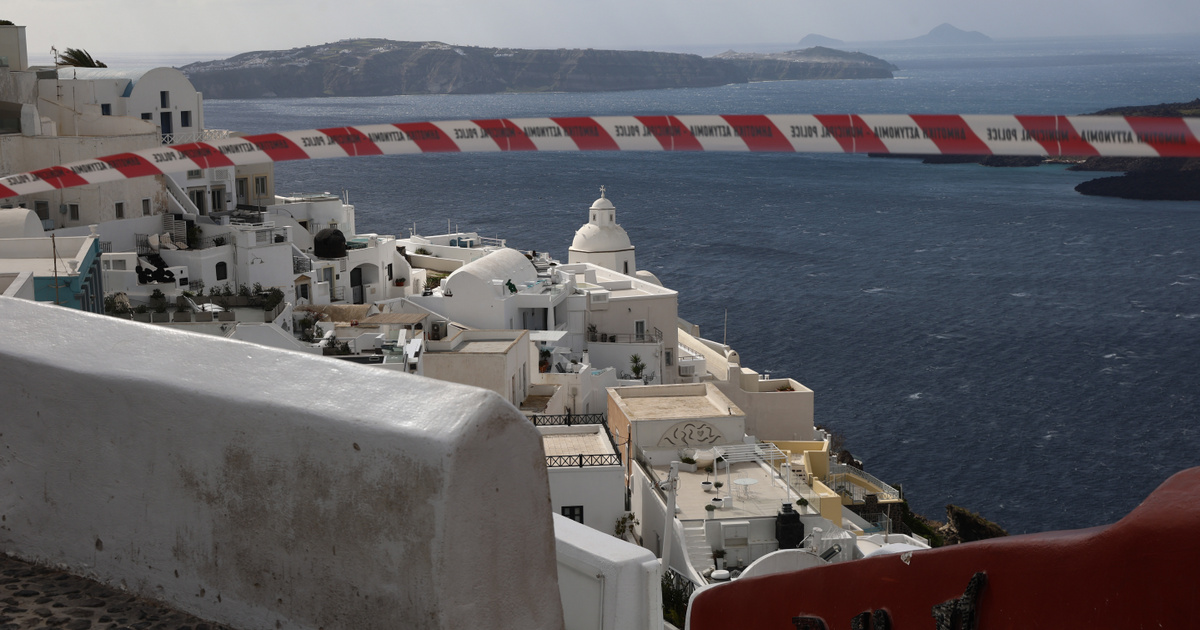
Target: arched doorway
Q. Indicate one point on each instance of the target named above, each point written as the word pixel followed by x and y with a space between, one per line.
pixel 363 281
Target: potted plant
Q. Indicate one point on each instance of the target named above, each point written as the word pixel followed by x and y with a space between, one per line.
pixel 717 485
pixel 707 471
pixel 592 335
pixel 717 502
pixel 802 502
pixel 706 485
pixel 709 509
pixel 785 388
pixel 719 558
pixel 720 461
pixel 687 463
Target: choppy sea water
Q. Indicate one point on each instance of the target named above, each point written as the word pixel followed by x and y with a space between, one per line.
pixel 985 337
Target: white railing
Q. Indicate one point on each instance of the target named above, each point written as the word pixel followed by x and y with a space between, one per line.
pixel 181 198
pixel 837 476
pixel 196 136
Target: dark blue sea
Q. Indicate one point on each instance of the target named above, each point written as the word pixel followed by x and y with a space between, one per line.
pixel 984 337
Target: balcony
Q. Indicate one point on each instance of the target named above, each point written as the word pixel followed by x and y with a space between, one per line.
pixel 650 336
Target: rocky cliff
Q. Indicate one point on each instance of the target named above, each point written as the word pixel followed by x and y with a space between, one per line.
pixel 817 62
pixel 376 67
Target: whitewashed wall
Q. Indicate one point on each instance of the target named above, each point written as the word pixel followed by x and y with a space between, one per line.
pixel 258 487
pixel 606 583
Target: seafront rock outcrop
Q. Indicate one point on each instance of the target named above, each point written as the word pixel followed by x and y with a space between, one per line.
pixel 1174 179
pixel 963 525
pixel 380 67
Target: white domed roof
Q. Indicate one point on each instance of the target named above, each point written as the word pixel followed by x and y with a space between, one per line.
pixel 601 238
pixel 503 264
pixel 20 223
pixel 603 203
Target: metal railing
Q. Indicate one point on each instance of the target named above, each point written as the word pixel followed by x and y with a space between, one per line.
pixel 213 241
pixel 581 460
pixel 838 481
pixel 568 419
pixel 650 336
pixel 196 136
pixel 301 264
pixel 880 523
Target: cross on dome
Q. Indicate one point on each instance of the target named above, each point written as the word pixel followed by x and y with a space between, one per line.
pixel 602 189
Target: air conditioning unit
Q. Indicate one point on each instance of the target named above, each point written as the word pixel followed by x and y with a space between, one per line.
pixel 438 331
pixel 687 370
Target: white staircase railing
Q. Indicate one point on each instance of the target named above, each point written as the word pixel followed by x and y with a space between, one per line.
pixel 182 202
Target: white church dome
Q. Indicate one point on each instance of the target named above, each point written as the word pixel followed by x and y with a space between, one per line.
pixel 601 233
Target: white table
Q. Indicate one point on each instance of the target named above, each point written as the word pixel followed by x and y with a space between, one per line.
pixel 745 483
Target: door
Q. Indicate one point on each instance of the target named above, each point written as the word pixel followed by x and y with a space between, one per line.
pixel 198 197
pixel 218 198
pixel 164 121
pixel 356 284
pixel 243 188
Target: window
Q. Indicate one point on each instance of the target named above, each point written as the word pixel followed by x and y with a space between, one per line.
pixel 74 210
pixel 222 271
pixel 195 173
pixel 118 264
pixel 185 119
pixel 626 268
pixel 389 271
pixel 147 116
pixel 639 330
pixel 260 185
pixel 667 357
pixel 42 208
pixel 573 512
pixel 120 209
pixel 105 109
pixel 164 99
pixel 302 290
pixel 145 207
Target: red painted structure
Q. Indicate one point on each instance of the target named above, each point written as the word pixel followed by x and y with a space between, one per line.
pixel 1141 572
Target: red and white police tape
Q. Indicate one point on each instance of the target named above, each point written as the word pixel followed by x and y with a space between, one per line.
pixel 1051 136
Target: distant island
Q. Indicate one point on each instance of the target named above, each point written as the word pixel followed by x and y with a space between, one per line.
pixel 948 34
pixel 943 34
pixel 813 39
pixel 380 67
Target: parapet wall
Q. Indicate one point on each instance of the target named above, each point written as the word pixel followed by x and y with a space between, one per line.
pixel 263 488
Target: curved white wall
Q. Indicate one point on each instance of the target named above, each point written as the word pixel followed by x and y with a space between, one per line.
pixel 255 486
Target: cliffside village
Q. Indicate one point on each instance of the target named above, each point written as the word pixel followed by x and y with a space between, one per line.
pixel 694 468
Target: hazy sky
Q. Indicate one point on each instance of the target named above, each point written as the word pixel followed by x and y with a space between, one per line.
pixel 186 27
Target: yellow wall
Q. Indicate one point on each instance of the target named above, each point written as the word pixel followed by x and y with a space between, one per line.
pixel 831 502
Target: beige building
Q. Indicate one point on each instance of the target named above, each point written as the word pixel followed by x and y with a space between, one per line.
pixel 665 420
pixel 492 359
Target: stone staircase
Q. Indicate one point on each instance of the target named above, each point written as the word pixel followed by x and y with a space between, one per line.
pixel 699 553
